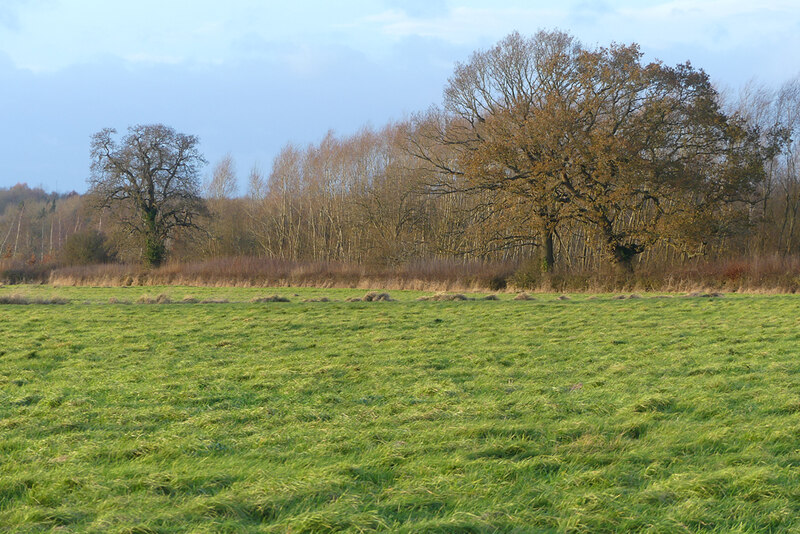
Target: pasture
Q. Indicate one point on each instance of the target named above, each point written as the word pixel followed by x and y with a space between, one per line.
pixel 583 415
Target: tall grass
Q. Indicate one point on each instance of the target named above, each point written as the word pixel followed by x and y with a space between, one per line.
pixel 773 274
pixel 16 271
pixel 271 272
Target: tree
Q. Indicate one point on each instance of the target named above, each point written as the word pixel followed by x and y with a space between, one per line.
pixel 593 136
pixel 502 128
pixel 223 183
pixel 227 233
pixel 150 181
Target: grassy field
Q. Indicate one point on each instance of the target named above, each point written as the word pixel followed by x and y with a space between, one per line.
pixel 579 415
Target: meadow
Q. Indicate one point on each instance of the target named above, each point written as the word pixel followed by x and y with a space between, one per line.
pixel 588 414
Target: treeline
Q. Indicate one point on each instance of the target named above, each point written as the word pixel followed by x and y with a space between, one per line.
pixel 35 226
pixel 545 155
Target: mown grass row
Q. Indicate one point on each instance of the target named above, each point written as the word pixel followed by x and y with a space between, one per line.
pixel 578 415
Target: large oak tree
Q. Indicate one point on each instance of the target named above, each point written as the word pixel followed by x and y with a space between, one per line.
pixel 591 135
pixel 149 180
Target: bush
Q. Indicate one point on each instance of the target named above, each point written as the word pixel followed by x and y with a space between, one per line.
pixel 529 275
pixel 498 283
pixel 86 247
pixel 24 273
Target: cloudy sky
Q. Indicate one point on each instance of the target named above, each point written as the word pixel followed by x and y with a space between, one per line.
pixel 248 76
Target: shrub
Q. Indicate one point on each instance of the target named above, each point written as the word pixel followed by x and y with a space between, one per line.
pixel 19 273
pixel 498 283
pixel 86 247
pixel 529 275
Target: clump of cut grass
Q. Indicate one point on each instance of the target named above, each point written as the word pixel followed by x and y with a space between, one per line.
pixel 700 294
pixel 214 301
pixel 318 299
pixel 14 299
pixel 161 298
pixel 23 300
pixel 373 296
pixel 273 298
pixel 445 297
pixel 562 297
pixel 491 297
pixel 524 296
pixel 188 299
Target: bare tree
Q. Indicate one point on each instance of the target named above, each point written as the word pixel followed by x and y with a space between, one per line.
pixel 149 179
pixel 223 183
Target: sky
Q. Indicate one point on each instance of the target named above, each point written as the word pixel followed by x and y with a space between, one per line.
pixel 247 76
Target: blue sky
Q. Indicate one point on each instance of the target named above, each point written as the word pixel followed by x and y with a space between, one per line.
pixel 248 76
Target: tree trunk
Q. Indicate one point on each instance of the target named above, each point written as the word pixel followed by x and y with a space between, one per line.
pixel 549 251
pixel 19 225
pixel 623 255
pixel 154 248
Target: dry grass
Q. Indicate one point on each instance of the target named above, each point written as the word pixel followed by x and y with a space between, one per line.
pixel 23 300
pixel 430 275
pixel 372 296
pixel 162 298
pixel 273 298
pixel 769 274
pixel 441 297
pixel 701 294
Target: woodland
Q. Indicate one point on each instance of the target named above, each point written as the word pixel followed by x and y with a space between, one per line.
pixel 546 161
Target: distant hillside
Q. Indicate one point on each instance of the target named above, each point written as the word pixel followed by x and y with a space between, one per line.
pixel 10 197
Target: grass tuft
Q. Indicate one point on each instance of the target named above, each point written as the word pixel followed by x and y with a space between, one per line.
pixel 23 300
pixel 161 298
pixel 445 297
pixel 273 298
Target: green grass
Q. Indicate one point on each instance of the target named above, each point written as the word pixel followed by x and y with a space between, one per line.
pixel 658 415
